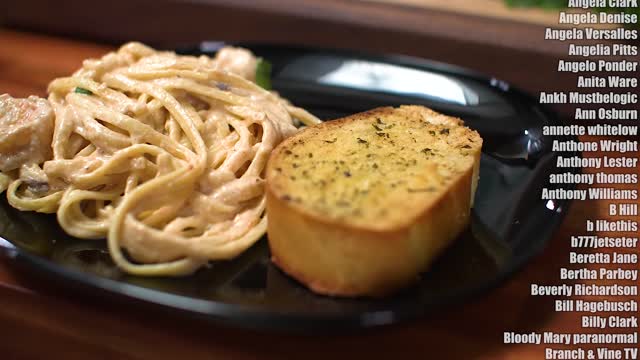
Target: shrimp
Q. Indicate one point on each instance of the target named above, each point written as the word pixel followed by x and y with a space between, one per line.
pixel 238 61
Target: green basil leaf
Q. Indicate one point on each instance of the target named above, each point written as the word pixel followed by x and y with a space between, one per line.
pixel 263 74
pixel 84 91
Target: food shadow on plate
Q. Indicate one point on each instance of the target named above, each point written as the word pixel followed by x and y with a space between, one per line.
pixel 251 278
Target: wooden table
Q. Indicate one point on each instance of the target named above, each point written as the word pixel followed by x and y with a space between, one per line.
pixel 38 321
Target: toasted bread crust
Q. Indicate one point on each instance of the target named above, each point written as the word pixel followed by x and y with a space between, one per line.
pixel 335 257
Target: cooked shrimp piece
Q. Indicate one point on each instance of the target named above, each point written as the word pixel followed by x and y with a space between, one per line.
pixel 26 131
pixel 238 61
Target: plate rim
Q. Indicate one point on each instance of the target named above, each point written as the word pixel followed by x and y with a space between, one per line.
pixel 245 316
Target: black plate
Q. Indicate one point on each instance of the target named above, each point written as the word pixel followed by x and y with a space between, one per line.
pixel 510 222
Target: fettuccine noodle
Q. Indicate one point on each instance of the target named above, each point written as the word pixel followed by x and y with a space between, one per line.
pixel 161 154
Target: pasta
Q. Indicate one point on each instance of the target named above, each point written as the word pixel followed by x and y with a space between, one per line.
pixel 161 154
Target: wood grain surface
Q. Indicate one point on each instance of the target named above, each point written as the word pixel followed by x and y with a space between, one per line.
pixel 492 9
pixel 463 32
pixel 38 320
